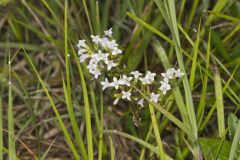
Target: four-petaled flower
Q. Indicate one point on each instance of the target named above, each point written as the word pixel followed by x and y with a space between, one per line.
pixel 110 64
pixel 106 84
pixel 115 83
pixel 169 74
pixel 154 97
pixel 178 73
pixel 149 78
pixel 136 74
pixel 125 80
pixel 95 39
pixel 116 51
pixel 108 32
pixel 81 43
pixel 126 95
pixel 164 87
pixel 83 57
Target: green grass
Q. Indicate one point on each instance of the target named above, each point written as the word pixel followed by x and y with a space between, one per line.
pixel 50 107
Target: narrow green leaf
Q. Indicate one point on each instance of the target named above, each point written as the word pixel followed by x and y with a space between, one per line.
pixel 202 103
pixel 195 55
pixel 43 157
pixel 148 26
pixel 135 139
pixel 192 12
pixel 232 125
pixel 235 148
pixel 156 132
pixel 219 101
pixel 11 139
pixel 86 107
pixel 67 136
pixel 217 42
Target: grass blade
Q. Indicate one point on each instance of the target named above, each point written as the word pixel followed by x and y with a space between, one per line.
pixel 1 120
pixel 74 124
pixel 219 101
pixel 86 107
pixel 66 134
pixel 43 157
pixel 100 143
pixel 11 139
pixel 202 103
pixel 67 89
pixel 194 61
pixel 235 144
pixel 156 132
pixel 154 30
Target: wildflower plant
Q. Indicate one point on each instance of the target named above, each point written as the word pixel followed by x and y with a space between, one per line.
pixel 103 57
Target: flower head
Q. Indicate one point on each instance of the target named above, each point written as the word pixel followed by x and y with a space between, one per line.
pixel 115 83
pixel 83 57
pixel 81 43
pixel 125 80
pixel 108 32
pixel 148 79
pixel 136 74
pixel 178 73
pixel 154 97
pixel 95 39
pixel 116 51
pixel 82 51
pixel 164 87
pixel 168 75
pixel 126 95
pixel 110 64
pixel 106 84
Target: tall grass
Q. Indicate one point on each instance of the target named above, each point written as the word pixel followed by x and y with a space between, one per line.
pixel 46 88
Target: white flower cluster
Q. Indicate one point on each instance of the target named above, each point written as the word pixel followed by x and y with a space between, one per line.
pixel 125 83
pixel 102 55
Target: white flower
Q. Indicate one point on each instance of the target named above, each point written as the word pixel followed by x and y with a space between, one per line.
pixel 136 74
pixel 126 95
pixel 115 83
pixel 81 43
pixel 92 66
pixel 148 79
pixel 164 87
pixel 95 39
pixel 96 57
pixel 108 32
pixel 83 57
pixel 169 74
pixel 104 42
pixel 144 80
pixel 103 56
pixel 96 73
pixel 82 51
pixel 140 102
pixel 150 76
pixel 110 64
pixel 116 51
pixel 116 101
pixel 111 44
pixel 125 80
pixel 178 73
pixel 154 97
pixel 106 84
